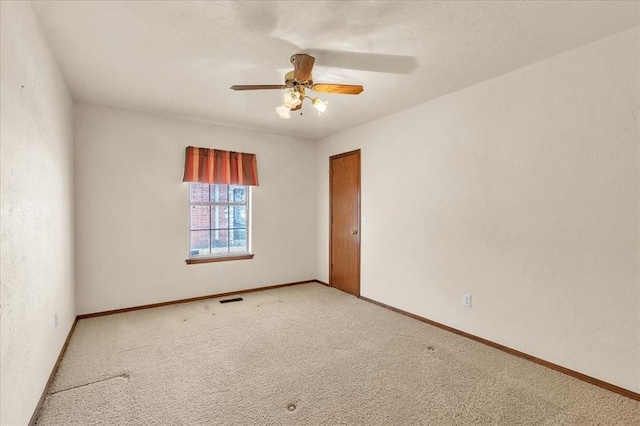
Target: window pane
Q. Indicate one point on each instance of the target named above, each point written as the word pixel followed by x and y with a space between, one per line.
pixel 200 217
pixel 237 217
pixel 198 192
pixel 238 241
pixel 219 217
pixel 220 241
pixel 237 194
pixel 220 193
pixel 200 243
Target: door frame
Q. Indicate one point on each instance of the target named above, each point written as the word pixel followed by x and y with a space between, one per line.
pixel 331 158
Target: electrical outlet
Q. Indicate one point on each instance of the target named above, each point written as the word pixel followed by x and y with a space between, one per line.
pixel 466 300
pixel 55 320
pixel 220 271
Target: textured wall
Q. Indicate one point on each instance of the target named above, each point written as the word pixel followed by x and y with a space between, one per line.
pixel 522 190
pixel 132 214
pixel 36 263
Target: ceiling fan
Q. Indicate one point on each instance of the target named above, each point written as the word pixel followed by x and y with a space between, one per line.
pixel 297 81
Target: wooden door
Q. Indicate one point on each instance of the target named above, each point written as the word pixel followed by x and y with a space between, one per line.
pixel 344 206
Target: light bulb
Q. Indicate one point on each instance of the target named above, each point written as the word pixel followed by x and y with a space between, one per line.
pixel 283 111
pixel 319 105
pixel 292 99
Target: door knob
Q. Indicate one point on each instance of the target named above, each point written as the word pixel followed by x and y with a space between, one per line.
pixel 354 232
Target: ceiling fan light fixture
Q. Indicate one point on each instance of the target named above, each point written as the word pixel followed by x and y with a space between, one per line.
pixel 283 111
pixel 319 105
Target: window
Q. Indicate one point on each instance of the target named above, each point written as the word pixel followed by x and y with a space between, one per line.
pixel 218 222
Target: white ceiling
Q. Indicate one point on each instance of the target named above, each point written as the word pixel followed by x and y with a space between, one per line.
pixel 179 58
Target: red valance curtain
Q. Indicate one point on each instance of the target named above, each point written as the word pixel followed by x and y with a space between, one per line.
pixel 217 166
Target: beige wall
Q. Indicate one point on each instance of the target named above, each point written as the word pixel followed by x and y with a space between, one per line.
pixel 36 222
pixel 132 215
pixel 523 191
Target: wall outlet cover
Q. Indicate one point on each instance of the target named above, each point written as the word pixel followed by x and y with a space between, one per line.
pixel 466 300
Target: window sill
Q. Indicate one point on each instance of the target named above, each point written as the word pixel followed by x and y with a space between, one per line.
pixel 195 260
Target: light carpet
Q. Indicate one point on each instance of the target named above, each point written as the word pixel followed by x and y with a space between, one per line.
pixel 305 355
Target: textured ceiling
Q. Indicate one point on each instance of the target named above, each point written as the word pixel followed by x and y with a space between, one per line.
pixel 179 58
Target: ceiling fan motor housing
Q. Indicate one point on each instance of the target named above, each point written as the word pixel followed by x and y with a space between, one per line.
pixel 290 81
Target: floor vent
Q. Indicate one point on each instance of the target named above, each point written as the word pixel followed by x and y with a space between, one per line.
pixel 237 299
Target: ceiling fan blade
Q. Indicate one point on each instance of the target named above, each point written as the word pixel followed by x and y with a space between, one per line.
pixel 342 89
pixel 257 86
pixel 302 66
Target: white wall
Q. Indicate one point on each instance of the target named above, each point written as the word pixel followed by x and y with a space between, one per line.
pixel 132 215
pixel 522 190
pixel 36 251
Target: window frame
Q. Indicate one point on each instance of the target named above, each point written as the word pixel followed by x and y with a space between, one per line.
pixel 206 258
